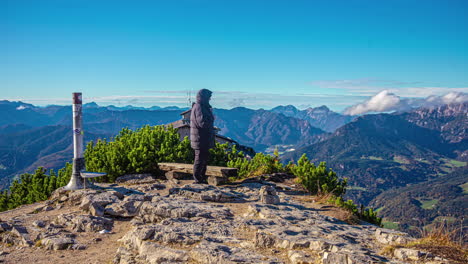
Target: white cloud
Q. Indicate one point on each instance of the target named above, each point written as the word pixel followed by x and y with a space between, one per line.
pixel 386 101
pixel 452 97
pixel 428 91
pixel 370 86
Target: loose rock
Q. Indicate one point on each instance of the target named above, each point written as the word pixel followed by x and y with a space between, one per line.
pixel 268 195
pixel 84 223
pixel 57 243
pixel 124 208
pixel 391 237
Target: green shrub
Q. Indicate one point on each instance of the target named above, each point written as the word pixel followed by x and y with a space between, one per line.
pixel 137 151
pixel 221 154
pixel 366 214
pixel 369 215
pixel 258 165
pixel 31 188
pixel 64 175
pixel 322 181
pixel 348 205
pixel 318 180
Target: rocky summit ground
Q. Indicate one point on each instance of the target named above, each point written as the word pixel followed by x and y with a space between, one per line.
pixel 141 220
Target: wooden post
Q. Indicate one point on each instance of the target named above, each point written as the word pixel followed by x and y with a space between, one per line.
pixel 76 181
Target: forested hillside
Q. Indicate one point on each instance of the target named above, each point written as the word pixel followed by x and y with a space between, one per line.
pixel 430 202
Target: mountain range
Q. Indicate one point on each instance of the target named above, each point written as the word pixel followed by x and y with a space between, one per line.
pixel 261 129
pixel 321 117
pixel 382 155
pixel 382 151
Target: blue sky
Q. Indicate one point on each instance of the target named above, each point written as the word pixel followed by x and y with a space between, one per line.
pixel 250 53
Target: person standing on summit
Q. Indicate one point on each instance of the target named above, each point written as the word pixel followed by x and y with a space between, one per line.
pixel 202 134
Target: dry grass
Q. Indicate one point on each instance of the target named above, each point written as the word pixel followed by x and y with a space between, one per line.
pixel 38 243
pixel 440 241
pixel 324 198
pixel 388 250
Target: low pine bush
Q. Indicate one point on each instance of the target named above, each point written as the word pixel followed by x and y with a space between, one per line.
pixel 318 179
pixel 258 165
pixel 366 214
pixel 221 154
pixel 35 187
pixel 137 151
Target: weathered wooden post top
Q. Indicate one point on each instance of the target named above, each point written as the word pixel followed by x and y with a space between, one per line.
pixel 76 181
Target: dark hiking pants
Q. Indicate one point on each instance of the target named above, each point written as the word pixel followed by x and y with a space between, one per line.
pixel 199 165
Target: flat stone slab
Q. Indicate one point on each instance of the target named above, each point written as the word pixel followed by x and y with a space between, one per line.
pixel 135 179
pixel 179 207
pixel 208 252
pixel 203 192
pixel 188 168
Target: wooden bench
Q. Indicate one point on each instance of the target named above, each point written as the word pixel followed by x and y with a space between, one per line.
pixel 216 175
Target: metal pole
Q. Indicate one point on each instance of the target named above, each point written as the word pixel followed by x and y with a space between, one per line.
pixel 76 181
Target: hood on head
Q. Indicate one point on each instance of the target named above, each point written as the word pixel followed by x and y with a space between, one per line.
pixel 203 96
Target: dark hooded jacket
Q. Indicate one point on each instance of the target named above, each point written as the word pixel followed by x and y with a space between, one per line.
pixel 202 134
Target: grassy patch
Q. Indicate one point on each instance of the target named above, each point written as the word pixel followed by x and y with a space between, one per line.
pixel 400 160
pixel 428 204
pixel 371 158
pixel 457 163
pixel 464 187
pixel 390 225
pixel 451 163
pixel 424 161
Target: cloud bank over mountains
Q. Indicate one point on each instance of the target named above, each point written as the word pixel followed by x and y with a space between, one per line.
pixel 349 96
pixel 386 101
